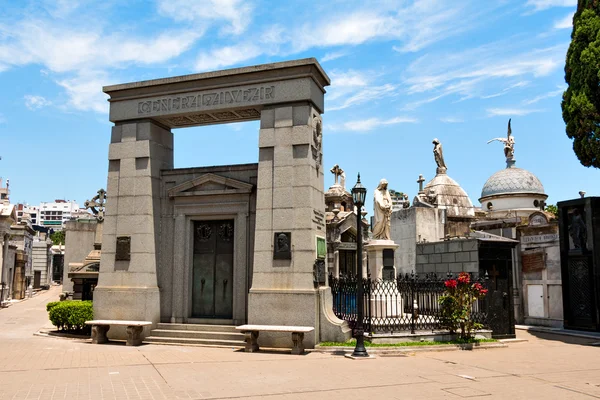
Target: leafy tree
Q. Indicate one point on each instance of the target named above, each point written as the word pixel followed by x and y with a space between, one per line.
pixel 581 100
pixel 551 208
pixel 58 237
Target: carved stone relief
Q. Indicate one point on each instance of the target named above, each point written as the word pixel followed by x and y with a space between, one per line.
pixel 317 140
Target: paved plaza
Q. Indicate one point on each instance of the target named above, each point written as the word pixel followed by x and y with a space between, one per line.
pixel 35 367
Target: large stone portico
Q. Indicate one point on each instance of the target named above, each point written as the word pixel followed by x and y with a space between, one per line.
pixel 228 244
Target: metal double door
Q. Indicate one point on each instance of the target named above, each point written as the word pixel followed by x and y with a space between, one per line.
pixel 212 288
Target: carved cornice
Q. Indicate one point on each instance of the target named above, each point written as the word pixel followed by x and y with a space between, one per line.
pixel 232 186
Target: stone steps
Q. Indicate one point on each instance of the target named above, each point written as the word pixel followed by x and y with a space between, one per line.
pixel 196 334
pixel 198 327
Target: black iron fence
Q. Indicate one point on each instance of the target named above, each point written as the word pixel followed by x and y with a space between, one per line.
pixel 407 303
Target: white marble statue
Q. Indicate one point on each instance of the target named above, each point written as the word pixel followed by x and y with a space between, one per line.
pixel 383 212
pixel 509 143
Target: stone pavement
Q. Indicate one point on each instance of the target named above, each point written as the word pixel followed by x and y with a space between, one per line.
pixel 547 366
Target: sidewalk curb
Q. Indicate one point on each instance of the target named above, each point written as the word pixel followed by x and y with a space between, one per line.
pixel 409 349
pixel 557 331
pixel 47 333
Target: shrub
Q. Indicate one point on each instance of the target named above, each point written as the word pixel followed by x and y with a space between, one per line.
pixel 51 305
pixel 457 304
pixel 71 315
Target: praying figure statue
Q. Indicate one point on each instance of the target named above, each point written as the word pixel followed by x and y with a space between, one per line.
pixel 509 144
pixel 383 212
pixel 438 155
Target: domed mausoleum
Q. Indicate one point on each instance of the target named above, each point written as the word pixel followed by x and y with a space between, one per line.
pixel 444 193
pixel 512 190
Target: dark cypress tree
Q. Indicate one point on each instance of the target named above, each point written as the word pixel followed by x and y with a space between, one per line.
pixel 581 100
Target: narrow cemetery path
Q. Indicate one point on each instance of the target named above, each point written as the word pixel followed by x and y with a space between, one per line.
pixel 33 367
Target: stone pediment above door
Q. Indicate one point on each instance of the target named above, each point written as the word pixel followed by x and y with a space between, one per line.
pixel 210 184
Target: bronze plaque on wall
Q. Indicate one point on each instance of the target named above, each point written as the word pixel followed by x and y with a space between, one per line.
pixel 533 261
pixel 123 248
pixel 282 243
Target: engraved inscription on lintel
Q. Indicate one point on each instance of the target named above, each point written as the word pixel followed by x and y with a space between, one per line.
pixel 200 101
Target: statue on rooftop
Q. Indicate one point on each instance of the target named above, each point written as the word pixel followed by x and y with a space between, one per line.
pixel 438 155
pixel 383 212
pixel 509 144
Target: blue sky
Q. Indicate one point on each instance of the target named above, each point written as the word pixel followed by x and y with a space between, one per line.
pixel 402 73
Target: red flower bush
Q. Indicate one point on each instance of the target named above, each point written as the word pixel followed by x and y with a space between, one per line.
pixel 457 304
pixel 451 283
pixel 465 278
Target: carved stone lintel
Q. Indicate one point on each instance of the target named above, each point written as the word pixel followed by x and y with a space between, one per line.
pixel 251 338
pixel 99 334
pixel 134 335
pixel 298 339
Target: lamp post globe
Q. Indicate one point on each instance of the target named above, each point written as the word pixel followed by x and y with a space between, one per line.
pixel 359 193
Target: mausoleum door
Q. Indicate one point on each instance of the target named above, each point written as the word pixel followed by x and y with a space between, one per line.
pixel 347 262
pixel 212 287
pixel 497 264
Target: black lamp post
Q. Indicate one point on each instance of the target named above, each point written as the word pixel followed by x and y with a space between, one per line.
pixel 359 193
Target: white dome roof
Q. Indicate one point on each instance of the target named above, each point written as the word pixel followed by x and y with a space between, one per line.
pixel 512 180
pixel 451 195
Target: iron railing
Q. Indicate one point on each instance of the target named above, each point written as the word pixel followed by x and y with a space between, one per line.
pixel 407 303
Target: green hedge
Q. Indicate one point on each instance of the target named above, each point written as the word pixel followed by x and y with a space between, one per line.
pixel 52 304
pixel 71 315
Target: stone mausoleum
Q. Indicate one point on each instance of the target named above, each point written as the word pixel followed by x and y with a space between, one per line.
pixel 222 245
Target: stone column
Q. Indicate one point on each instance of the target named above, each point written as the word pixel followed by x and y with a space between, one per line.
pixel 4 277
pixel 289 199
pixel 127 283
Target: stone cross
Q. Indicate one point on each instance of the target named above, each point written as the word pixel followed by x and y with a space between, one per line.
pixel 337 172
pixel 420 182
pixel 494 274
pixel 97 204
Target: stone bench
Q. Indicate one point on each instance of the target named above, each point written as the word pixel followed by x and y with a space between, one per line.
pixel 251 335
pixel 134 330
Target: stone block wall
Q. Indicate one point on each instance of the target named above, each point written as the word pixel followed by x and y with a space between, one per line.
pixel 408 227
pixel 41 260
pixel 79 241
pixel 448 256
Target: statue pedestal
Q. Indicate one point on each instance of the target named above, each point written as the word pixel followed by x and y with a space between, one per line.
pixel 375 253
pixel 386 301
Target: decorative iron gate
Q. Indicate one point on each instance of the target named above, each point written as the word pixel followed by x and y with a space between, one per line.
pixel 579 227
pixel 407 303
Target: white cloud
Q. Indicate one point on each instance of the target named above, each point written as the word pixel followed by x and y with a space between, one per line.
pixel 34 102
pixel 64 50
pixel 469 73
pixel 565 23
pixel 452 120
pixel 352 87
pixel 539 5
pixel 67 51
pixel 363 95
pixel 346 29
pixel 84 91
pixel 553 93
pixel 507 90
pixel 238 13
pixel 371 123
pixel 227 56
pixel 413 25
pixel 494 112
pixel 334 56
pixel 60 8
